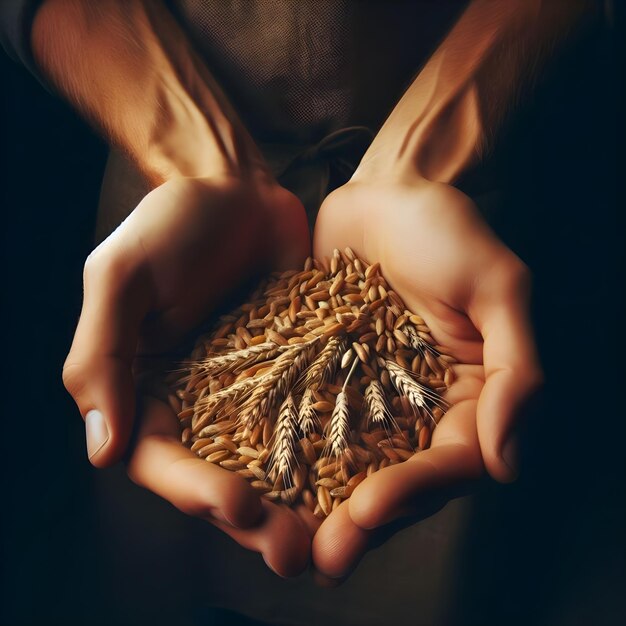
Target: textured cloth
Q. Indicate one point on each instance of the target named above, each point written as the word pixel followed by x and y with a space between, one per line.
pixel 296 70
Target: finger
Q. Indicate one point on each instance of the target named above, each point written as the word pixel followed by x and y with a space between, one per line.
pixel 443 471
pixel 512 371
pixel 339 544
pixel 97 371
pixel 280 537
pixel 160 463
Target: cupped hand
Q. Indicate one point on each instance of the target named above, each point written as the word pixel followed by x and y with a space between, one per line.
pixel 155 278
pixel 161 464
pixel 436 251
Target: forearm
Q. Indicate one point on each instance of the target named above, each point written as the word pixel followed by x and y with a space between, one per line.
pixel 130 70
pixel 448 117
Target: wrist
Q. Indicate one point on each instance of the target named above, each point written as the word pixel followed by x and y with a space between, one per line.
pixel 447 138
pixel 130 69
pixel 189 139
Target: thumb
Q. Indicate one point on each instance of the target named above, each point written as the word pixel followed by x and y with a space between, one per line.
pixel 98 369
pixel 512 371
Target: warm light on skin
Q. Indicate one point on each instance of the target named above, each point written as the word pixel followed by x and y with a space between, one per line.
pixel 130 69
pixel 449 115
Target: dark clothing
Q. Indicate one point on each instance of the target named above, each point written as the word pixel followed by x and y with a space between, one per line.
pixel 311 80
pixel 295 71
pixel 16 18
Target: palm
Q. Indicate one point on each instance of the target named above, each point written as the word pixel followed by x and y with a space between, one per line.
pixel 447 265
pixel 199 239
pixel 432 246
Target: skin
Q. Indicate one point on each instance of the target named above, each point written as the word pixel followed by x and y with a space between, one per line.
pixel 142 296
pixel 435 250
pixel 215 217
pixel 472 291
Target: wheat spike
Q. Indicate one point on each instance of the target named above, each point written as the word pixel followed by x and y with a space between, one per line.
pixel 416 393
pixel 337 440
pixel 417 343
pixel 240 359
pixel 206 408
pixel 309 422
pixel 292 368
pixel 376 405
pixel 277 382
pixel 325 364
pixel 283 454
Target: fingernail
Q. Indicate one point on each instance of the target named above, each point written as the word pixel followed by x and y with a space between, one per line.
pixel 510 454
pixel 96 431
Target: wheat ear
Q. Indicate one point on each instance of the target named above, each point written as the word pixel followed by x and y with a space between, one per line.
pixel 207 408
pixel 325 364
pixel 277 382
pixel 238 360
pixel 337 440
pixel 416 393
pixel 307 417
pixel 283 455
pixel 417 343
pixel 376 408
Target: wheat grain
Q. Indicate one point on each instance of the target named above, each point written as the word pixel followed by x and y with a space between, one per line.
pixel 268 394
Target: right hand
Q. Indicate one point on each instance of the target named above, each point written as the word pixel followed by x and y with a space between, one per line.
pixel 161 273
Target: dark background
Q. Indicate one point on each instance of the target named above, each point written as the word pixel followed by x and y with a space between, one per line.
pixel 548 550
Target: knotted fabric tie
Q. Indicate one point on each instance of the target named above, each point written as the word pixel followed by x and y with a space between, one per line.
pixel 311 172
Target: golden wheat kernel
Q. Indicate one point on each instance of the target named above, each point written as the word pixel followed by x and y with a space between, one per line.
pixel 288 311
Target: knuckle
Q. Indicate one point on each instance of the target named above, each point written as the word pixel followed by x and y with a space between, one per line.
pixel 93 263
pixel 98 264
pixel 74 377
pixel 515 273
pixel 535 380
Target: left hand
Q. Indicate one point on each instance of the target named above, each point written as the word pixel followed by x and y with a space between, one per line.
pixel 161 273
pixel 440 256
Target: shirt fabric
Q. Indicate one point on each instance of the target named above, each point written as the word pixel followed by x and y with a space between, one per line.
pixel 294 70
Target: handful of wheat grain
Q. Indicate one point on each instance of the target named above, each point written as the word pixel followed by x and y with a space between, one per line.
pixel 321 379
